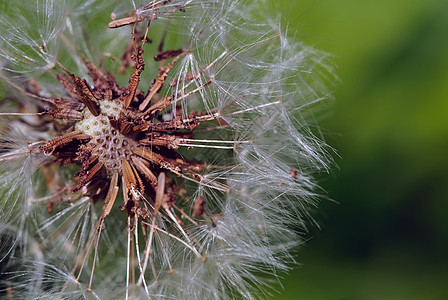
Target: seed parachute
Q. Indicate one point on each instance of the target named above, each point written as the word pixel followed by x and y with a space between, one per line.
pixel 165 153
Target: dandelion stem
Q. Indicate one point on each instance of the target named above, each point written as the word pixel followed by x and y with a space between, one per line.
pixel 216 141
pixel 206 146
pixel 128 259
pixel 95 255
pixel 5 157
pixel 23 114
pixel 24 91
pixel 142 274
pixel 176 238
pixel 192 92
pixel 216 187
pixel 158 203
pixel 254 108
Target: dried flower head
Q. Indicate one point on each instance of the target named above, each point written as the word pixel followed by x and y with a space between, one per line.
pixel 165 154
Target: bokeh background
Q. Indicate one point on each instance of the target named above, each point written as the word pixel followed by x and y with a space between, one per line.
pixel 385 234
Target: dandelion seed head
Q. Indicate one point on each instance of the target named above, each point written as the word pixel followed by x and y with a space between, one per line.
pixel 107 143
pixel 169 156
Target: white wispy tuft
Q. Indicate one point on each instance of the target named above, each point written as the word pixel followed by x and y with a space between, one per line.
pixel 235 194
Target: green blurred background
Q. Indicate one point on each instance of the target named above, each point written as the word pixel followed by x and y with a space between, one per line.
pixel 385 236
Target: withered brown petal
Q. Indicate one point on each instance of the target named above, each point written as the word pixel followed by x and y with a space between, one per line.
pixel 143 169
pixel 111 195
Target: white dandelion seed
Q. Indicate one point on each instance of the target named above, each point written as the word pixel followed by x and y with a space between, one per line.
pixel 167 156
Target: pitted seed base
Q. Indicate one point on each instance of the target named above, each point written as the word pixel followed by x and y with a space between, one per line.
pixel 107 143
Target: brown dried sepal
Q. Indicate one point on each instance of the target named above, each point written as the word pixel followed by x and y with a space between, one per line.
pixel 142 166
pixel 87 96
pixel 134 79
pixel 131 178
pixel 168 54
pixel 158 83
pixel 127 57
pixel 159 105
pixel 169 141
pixel 152 5
pixel 111 195
pixel 126 21
pixel 65 80
pixel 88 177
pixel 176 124
pixel 65 114
pixel 125 127
pixel 198 207
pixel 58 142
pixel 62 103
pixel 105 85
pixel 156 158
